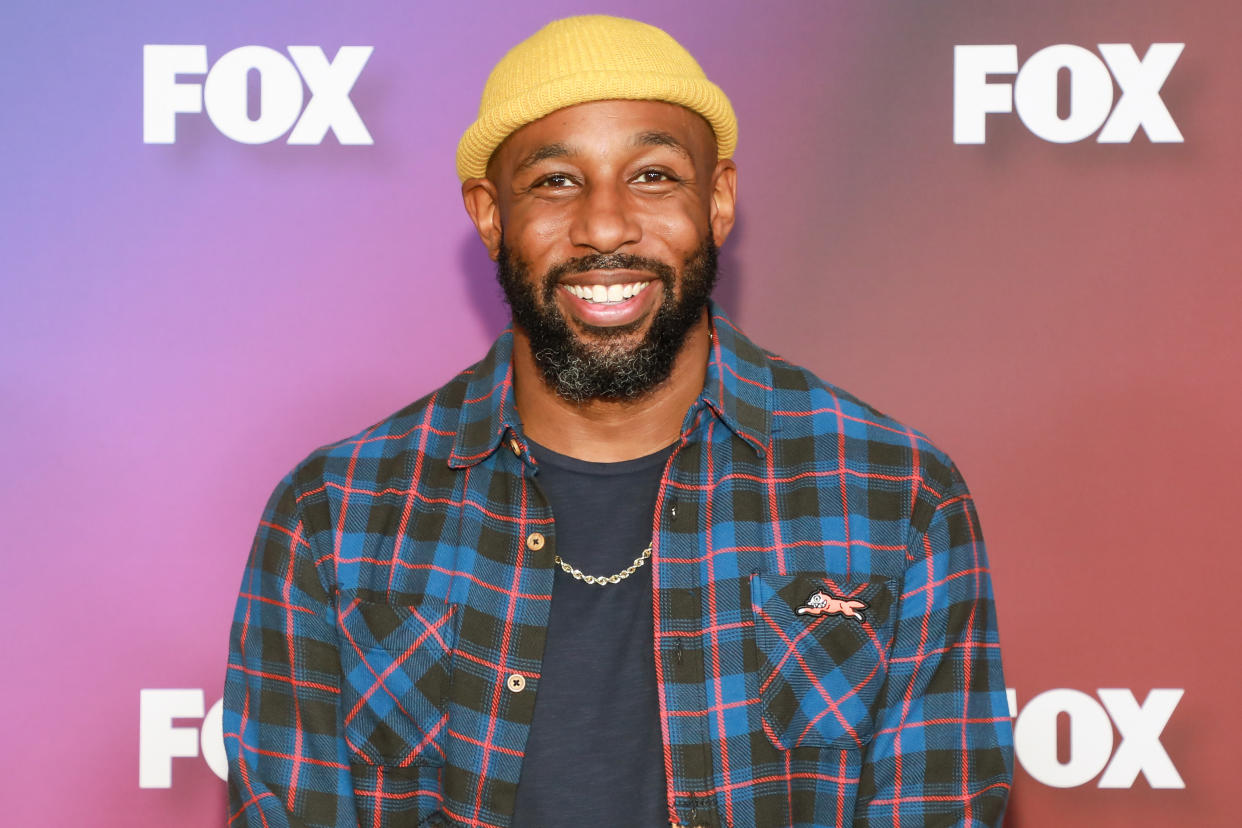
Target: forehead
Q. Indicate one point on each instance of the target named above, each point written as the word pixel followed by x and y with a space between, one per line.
pixel 608 127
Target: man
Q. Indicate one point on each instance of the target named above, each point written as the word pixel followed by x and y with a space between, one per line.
pixel 629 569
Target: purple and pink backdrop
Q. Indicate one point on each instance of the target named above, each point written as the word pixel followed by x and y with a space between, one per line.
pixel 183 322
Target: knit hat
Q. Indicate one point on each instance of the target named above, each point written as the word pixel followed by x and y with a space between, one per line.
pixel 589 58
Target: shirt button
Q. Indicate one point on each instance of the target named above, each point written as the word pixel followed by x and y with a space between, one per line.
pixel 516 683
pixel 534 541
pixel 515 446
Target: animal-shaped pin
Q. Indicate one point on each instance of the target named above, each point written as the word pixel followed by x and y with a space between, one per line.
pixel 821 603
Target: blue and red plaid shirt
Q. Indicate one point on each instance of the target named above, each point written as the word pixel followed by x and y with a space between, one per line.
pixel 825 640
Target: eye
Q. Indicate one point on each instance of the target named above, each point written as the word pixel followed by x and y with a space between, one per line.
pixel 653 177
pixel 555 181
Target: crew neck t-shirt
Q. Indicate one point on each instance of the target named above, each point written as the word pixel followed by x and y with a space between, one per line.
pixel 594 754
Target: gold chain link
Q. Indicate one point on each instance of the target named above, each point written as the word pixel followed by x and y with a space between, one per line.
pixel 604 580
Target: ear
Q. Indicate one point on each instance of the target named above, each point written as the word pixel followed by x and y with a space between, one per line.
pixel 724 199
pixel 480 197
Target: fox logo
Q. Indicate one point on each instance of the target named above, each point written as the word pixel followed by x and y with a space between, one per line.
pixel 821 603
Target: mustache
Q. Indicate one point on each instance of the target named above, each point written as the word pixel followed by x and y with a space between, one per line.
pixel 606 261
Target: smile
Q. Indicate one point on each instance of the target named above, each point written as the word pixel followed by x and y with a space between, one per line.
pixel 606 294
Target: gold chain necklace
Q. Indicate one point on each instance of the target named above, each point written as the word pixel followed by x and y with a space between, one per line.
pixel 605 580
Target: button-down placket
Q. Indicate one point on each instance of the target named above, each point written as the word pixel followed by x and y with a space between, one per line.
pixel 679 620
pixel 491 717
pixel 726 419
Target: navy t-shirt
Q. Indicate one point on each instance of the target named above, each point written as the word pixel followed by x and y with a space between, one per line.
pixel 594 754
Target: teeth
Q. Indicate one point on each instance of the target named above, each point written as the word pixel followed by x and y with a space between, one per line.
pixel 606 294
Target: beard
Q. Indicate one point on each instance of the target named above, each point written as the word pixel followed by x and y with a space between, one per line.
pixel 603 363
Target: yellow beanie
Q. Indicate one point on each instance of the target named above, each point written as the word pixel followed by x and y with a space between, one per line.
pixel 589 58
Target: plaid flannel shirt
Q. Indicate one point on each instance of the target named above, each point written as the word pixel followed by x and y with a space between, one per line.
pixel 386 648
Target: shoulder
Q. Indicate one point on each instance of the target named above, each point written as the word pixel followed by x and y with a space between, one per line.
pixel 385 453
pixel 814 420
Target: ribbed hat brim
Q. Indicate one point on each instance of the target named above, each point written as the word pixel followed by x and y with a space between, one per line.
pixel 500 119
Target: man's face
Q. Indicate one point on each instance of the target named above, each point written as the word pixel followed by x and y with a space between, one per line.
pixel 608 251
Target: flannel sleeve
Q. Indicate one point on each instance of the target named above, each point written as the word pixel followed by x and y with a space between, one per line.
pixel 942 754
pixel 288 761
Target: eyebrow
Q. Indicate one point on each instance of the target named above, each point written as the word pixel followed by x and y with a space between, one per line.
pixel 543 154
pixel 657 138
pixel 652 138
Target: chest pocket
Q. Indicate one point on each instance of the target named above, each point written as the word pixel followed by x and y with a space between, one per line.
pixel 396 663
pixel 822 649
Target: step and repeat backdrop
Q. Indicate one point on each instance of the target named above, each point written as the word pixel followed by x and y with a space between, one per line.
pixel 232 232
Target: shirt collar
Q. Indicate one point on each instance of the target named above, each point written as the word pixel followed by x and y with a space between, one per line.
pixel 487 411
pixel 737 389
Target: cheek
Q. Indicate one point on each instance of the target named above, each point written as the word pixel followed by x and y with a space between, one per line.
pixel 678 233
pixel 538 233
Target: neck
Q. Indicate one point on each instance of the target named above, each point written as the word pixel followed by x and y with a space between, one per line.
pixel 610 431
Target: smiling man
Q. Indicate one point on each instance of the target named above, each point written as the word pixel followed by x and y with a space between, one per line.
pixel 629 569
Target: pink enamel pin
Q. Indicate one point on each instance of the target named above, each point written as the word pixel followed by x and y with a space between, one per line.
pixel 821 603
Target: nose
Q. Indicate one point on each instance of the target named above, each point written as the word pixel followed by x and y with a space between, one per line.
pixel 605 220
